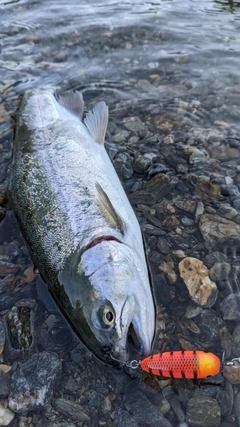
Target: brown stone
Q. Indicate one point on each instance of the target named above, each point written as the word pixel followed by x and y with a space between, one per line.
pixel 196 277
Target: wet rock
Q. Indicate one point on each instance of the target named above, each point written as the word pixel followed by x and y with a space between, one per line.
pixel 224 153
pixel 176 407
pixel 33 382
pixel 143 410
pixel 196 277
pixel 186 205
pixel 203 412
pixel 236 340
pixel 4 383
pixel 163 246
pixel 19 327
pixel 6 415
pixel 193 310
pixel 134 124
pixel 199 211
pixel 141 164
pixel 232 372
pixel 230 307
pixel 71 410
pixel 225 399
pixel 226 341
pixel 168 272
pixel 237 408
pixel 124 419
pixel 214 227
pixel 208 192
pixel 123 165
pixel 220 271
pixel 8 268
pixel 161 290
pixel 121 136
pixel 2 338
pixel 229 190
pixel 215 257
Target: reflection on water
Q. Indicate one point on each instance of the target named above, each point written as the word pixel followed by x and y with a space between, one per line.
pixel 169 72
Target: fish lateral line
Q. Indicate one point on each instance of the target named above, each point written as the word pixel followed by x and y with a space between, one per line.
pixel 185 364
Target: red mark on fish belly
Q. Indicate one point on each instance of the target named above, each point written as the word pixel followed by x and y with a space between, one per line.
pixel 101 239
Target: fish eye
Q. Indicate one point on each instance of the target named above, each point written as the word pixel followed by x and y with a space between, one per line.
pixel 108 316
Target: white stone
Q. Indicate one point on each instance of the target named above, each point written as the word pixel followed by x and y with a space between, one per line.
pixel 6 416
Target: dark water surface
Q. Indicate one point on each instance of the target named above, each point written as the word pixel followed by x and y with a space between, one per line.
pixel 170 74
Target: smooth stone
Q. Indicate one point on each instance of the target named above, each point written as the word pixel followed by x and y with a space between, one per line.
pixel 6 416
pixel 141 164
pixel 192 310
pixel 186 205
pixel 237 408
pixel 5 378
pixel 163 246
pixel 121 136
pixel 208 413
pixel 236 340
pixel 230 307
pixel 123 164
pixel 143 410
pixel 33 382
pixel 225 399
pixel 214 227
pixel 2 338
pixel 220 271
pixel 232 373
pixel 161 290
pixel 215 257
pixel 229 190
pixel 227 212
pixel 70 409
pixel 196 277
pixel 168 272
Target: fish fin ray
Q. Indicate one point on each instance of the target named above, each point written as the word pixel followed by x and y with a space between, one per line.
pixel 96 122
pixel 72 101
pixel 106 203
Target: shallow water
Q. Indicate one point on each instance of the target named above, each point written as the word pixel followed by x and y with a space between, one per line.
pixel 172 70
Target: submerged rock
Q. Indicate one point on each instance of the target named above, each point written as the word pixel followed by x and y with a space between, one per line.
pixel 6 416
pixel 203 411
pixel 196 277
pixel 71 410
pixel 33 382
pixel 214 227
pixel 230 307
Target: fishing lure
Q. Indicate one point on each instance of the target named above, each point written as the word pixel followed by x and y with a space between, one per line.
pixel 190 364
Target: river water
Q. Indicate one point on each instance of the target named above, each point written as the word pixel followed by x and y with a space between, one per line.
pixel 170 74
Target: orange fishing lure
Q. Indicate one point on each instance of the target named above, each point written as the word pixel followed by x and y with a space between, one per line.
pixel 182 364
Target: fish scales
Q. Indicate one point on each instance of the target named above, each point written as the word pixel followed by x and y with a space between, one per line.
pixel 80 228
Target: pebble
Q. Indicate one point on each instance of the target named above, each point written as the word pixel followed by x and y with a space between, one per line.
pixel 232 372
pixel 6 415
pixel 237 408
pixel 230 307
pixel 214 227
pixel 123 165
pixel 70 409
pixel 4 383
pixel 141 164
pixel 208 413
pixel 186 205
pixel 220 271
pixel 196 277
pixel 168 272
pixel 143 410
pixel 33 382
pixel 2 338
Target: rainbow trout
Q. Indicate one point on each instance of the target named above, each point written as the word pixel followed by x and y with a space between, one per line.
pixel 82 233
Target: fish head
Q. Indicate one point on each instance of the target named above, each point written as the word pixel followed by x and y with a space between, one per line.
pixel 112 303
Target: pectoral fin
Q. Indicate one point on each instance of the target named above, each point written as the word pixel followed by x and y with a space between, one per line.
pixel 108 209
pixel 96 122
pixel 72 101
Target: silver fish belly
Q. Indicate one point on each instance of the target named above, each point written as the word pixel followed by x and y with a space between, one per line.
pixel 81 231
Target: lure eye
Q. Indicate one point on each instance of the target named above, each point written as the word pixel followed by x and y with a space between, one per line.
pixel 108 316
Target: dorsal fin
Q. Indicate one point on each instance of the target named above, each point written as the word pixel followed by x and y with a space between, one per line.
pixel 109 210
pixel 96 121
pixel 72 101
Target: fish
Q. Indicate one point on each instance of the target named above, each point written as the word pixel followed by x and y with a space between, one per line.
pixel 81 231
pixel 190 364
